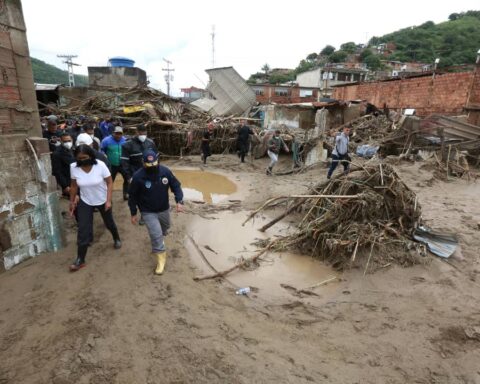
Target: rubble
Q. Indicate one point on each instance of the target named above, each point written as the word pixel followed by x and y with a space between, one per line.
pixel 345 219
pixel 175 126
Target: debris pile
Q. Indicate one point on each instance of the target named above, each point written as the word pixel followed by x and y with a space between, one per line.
pixel 370 129
pixel 366 216
pixel 176 127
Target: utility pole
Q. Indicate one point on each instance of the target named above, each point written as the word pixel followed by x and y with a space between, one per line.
pixel 168 77
pixel 213 46
pixel 70 64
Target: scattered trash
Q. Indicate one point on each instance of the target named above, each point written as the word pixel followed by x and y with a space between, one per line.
pixel 367 151
pixel 243 291
pixel 473 333
pixel 440 244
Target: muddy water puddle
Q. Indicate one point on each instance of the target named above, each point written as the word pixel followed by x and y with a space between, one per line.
pixel 209 187
pixel 223 241
pixel 197 185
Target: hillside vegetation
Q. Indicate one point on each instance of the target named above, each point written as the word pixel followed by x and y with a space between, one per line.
pixel 454 42
pixel 49 74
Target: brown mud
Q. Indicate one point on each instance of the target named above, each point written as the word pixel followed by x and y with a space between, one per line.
pixel 115 322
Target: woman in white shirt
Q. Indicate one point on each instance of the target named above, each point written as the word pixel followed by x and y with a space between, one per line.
pixel 93 179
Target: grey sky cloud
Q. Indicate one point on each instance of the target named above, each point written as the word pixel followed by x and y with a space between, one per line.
pixel 248 33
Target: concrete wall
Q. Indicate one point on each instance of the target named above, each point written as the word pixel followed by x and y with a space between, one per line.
pixel 278 116
pixel 445 94
pixel 311 78
pixel 30 222
pixel 116 77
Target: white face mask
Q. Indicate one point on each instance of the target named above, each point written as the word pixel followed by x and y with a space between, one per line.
pixel 142 138
pixel 92 135
pixel 68 144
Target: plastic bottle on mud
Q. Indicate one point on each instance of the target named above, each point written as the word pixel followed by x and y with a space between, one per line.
pixel 243 291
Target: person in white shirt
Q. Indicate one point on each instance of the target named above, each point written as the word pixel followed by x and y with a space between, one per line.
pixel 94 180
pixel 340 152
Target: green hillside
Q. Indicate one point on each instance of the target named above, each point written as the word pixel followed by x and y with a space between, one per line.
pixel 49 74
pixel 455 41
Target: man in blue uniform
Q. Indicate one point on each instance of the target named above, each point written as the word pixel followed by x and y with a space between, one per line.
pixel 149 193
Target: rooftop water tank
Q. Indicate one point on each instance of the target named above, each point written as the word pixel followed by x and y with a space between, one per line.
pixel 121 62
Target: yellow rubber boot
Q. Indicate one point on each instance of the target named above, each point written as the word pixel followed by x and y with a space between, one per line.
pixel 161 260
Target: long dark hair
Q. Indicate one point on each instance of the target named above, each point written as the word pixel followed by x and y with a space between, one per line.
pixel 86 150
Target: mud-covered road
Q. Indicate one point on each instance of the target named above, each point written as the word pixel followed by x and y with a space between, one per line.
pixel 115 322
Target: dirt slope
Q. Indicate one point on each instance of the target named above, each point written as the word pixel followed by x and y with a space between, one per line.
pixel 114 322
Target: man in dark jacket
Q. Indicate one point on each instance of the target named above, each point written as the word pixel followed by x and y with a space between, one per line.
pixel 243 139
pixel 52 135
pixel 62 157
pixel 133 150
pixel 205 146
pixel 149 192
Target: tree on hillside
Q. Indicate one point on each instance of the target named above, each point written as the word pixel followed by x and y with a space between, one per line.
pixel 327 50
pixel 365 53
pixel 349 47
pixel 338 57
pixel 266 68
pixel 312 57
pixel 373 62
pixel 304 66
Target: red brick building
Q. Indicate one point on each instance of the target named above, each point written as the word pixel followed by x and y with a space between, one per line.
pixel 447 94
pixel 284 94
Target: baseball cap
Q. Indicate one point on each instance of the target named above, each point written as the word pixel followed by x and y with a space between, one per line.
pixel 150 158
pixel 83 138
pixel 118 129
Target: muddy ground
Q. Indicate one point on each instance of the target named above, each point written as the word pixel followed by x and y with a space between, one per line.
pixel 115 322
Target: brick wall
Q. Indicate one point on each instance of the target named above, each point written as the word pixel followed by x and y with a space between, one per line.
pixel 446 93
pixel 293 96
pixel 30 221
pixel 473 105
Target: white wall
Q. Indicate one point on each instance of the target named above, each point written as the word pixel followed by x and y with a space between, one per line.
pixel 310 79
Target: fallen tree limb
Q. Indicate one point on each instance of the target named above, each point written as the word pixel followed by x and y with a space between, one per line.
pixel 236 266
pixel 303 197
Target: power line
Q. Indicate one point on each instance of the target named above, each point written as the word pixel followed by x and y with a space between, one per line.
pixel 70 64
pixel 168 76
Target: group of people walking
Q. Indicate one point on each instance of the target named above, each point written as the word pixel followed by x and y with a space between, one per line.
pixel 85 168
pixel 85 173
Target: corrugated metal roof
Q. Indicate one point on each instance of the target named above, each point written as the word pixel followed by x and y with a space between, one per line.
pixel 204 104
pixel 46 87
pixel 232 93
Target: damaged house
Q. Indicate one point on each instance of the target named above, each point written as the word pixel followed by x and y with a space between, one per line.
pixel 30 221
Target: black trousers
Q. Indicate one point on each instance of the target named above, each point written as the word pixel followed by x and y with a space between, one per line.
pixel 206 151
pixel 118 169
pixel 243 147
pixel 85 226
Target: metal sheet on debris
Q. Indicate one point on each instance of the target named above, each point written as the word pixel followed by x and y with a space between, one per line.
pixel 440 244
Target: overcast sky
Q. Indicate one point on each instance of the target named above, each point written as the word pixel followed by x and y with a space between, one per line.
pixel 248 33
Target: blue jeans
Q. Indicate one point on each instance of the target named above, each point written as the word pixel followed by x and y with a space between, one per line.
pixel 335 160
pixel 157 224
